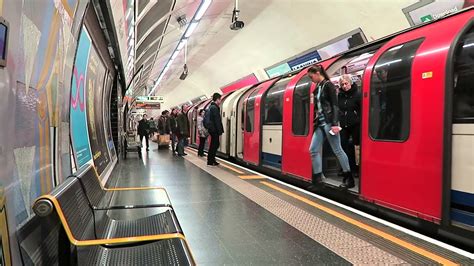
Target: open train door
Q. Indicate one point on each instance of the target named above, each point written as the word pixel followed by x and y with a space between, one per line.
pixel 297 126
pixel 252 123
pixel 298 112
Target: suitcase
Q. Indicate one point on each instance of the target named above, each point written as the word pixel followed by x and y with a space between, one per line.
pixel 164 140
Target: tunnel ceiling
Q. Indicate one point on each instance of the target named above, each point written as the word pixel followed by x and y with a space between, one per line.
pixel 158 33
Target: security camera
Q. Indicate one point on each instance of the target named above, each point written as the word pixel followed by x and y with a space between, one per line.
pixel 185 73
pixel 237 25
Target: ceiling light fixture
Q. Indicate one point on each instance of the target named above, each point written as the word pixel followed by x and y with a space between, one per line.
pixel 184 38
pixel 191 29
pixel 202 9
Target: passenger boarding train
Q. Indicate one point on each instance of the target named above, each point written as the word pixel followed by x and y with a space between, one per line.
pixel 417 139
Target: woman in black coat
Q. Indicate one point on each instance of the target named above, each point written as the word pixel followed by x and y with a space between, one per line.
pixel 349 100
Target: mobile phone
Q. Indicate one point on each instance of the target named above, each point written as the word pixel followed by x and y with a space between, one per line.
pixel 332 132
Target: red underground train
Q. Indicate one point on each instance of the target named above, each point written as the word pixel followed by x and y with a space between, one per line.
pixel 417 129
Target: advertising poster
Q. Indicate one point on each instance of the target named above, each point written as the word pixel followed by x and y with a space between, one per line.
pixel 107 121
pixel 79 133
pixel 95 87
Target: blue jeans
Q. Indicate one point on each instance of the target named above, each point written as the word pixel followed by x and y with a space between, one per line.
pixel 316 149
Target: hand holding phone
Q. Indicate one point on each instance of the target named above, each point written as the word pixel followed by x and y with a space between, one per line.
pixel 335 130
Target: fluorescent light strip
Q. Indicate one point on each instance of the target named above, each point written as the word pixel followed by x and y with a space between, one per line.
pixel 192 27
pixel 181 44
pixel 175 54
pixel 189 31
pixel 202 9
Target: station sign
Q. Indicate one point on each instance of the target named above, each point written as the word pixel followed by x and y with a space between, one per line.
pixel 426 11
pixel 150 99
pixel 304 60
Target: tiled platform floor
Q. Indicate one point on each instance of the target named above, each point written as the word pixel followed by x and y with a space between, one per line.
pixel 235 220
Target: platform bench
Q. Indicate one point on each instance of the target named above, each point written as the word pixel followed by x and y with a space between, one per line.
pixel 67 230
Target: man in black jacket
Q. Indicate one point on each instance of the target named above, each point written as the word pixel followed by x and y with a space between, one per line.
pixel 143 130
pixel 215 129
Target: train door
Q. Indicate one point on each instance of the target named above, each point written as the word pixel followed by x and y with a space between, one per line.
pixel 402 137
pixel 240 123
pixel 253 123
pixel 272 124
pixel 462 167
pixel 192 123
pixel 351 65
pixel 225 116
pixel 227 109
pixel 297 117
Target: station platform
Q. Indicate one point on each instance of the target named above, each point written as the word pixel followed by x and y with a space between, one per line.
pixel 231 215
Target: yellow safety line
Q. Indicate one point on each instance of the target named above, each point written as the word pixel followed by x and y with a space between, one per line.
pixel 223 164
pixel 251 177
pixel 232 168
pixel 366 227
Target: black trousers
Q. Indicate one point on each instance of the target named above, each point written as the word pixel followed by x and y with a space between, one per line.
pixel 211 155
pixel 146 139
pixel 350 136
pixel 202 143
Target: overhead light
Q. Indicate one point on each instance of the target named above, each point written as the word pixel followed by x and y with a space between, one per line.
pixel 170 63
pixel 202 9
pixel 191 29
pixel 175 54
pixel 181 44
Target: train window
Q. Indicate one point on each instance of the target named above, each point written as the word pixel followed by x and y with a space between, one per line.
pixel 463 107
pixel 301 100
pixel 274 102
pixel 390 89
pixel 250 111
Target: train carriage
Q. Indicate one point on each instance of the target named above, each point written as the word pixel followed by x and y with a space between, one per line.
pixel 417 126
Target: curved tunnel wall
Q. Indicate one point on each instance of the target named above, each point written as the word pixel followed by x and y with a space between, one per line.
pixel 38 109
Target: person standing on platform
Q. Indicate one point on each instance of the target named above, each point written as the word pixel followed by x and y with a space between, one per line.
pixel 174 129
pixel 164 126
pixel 202 131
pixel 152 125
pixel 326 126
pixel 183 132
pixel 349 111
pixel 213 123
pixel 143 130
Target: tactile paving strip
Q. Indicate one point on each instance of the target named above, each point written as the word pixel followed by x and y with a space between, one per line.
pixel 344 244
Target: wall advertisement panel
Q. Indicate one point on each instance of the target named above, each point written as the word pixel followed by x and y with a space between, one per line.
pixel 106 112
pixel 79 132
pixel 95 88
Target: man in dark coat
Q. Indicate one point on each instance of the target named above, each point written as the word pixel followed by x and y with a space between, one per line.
pixel 173 120
pixel 215 128
pixel 183 134
pixel 143 130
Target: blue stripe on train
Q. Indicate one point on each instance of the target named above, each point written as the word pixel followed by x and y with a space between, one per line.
pixel 462 198
pixel 462 217
pixel 271 159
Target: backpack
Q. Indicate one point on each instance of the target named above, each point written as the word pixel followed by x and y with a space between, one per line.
pixel 207 119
